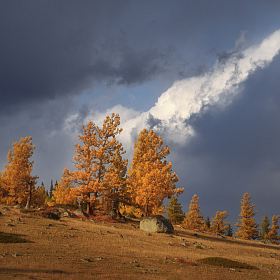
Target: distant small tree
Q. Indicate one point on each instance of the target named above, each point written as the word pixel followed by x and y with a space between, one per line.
pixel 218 224
pixel 194 218
pixel 174 211
pixel 272 234
pixel 264 227
pixel 207 222
pixel 248 229
pixel 51 189
pixel 62 194
pixel 229 231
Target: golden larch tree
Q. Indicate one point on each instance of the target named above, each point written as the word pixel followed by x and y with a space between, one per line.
pixel 272 235
pixel 92 158
pixel 150 175
pixel 17 178
pixel 39 196
pixel 114 187
pixel 217 224
pixel 63 194
pixel 194 218
pixel 248 228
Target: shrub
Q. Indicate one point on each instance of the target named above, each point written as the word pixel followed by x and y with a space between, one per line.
pixel 12 238
pixel 28 211
pixel 49 215
pixel 223 262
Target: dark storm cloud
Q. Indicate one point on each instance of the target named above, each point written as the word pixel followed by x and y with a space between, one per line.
pixel 55 48
pixel 52 48
pixel 237 150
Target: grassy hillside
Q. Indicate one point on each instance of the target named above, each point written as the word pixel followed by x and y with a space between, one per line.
pixel 75 248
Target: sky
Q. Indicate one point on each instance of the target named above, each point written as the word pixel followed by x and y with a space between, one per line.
pixel 203 74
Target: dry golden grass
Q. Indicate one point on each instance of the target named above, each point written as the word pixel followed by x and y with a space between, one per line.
pixel 72 248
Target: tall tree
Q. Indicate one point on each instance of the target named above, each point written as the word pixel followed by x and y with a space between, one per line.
pixel 150 175
pixel 19 182
pixel 248 228
pixel 218 224
pixel 272 234
pixel 194 218
pixel 93 157
pixel 264 227
pixel 174 211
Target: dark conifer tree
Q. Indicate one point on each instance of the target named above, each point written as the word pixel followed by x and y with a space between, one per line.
pixel 174 211
pixel 264 227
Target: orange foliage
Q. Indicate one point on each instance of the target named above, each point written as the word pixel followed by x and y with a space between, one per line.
pixel 194 218
pixel 63 191
pixel 217 224
pixel 99 144
pixel 17 182
pixel 150 177
pixel 248 229
pixel 272 234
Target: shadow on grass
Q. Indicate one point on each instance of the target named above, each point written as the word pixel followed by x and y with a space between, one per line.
pixel 223 262
pixel 12 238
pixel 21 271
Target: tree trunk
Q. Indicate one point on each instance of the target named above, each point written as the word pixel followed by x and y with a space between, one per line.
pixel 29 197
pixel 146 207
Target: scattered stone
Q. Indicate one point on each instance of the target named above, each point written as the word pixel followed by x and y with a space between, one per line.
pixel 1 214
pixel 17 206
pixel 79 212
pixel 98 259
pixel 120 236
pixel 15 255
pixel 86 260
pixel 65 214
pixel 184 244
pixel 5 208
pixel 10 225
pixel 156 223
pixel 113 226
pixel 195 234
pixel 148 234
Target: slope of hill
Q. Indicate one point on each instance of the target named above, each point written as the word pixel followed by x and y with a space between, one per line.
pixel 75 248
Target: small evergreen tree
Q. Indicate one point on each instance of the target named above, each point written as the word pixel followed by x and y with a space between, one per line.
pixel 194 218
pixel 51 189
pixel 264 227
pixel 207 222
pixel 174 211
pixel 272 234
pixel 248 229
pixel 229 231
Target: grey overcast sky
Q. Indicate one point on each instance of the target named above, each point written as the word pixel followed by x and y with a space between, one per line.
pixel 203 74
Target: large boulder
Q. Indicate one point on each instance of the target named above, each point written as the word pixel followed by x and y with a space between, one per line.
pixel 156 223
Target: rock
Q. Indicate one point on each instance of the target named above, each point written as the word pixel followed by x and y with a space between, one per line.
pixel 17 206
pixel 65 214
pixel 5 208
pixel 60 209
pixel 79 212
pixel 156 223
pixel 1 214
